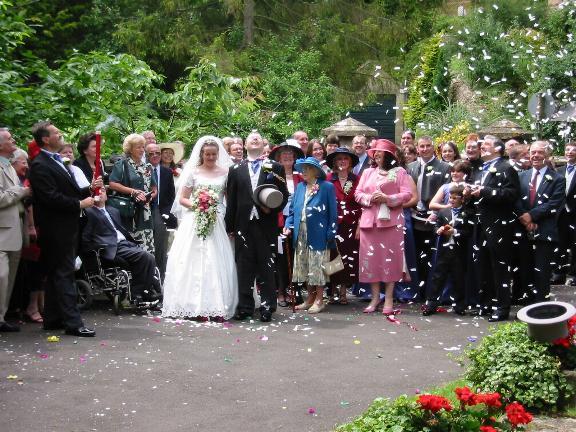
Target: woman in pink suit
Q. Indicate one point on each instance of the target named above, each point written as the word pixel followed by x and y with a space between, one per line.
pixel 381 192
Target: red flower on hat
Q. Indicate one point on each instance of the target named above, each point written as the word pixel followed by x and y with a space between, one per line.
pixel 33 150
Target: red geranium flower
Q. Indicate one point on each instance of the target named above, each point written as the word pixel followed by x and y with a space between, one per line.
pixel 565 342
pixel 517 414
pixel 488 429
pixel 465 395
pixel 434 403
pixel 488 399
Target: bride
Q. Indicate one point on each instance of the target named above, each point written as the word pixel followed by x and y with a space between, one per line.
pixel 201 276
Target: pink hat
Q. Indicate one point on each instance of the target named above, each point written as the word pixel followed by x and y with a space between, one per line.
pixel 383 145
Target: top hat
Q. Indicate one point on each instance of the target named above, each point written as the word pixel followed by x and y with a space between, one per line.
pixel 345 151
pixel 177 147
pixel 383 145
pixel 295 148
pixel 268 195
pixel 310 161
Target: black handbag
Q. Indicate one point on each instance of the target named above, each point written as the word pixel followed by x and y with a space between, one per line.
pixel 124 204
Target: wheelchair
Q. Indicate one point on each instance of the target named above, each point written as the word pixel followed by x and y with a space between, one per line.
pixel 97 276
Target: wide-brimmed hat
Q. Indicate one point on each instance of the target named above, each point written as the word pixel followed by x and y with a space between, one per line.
pixel 345 151
pixel 383 145
pixel 299 165
pixel 268 195
pixel 298 153
pixel 177 147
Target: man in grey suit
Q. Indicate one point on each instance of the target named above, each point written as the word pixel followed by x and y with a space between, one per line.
pixel 12 234
pixel 429 173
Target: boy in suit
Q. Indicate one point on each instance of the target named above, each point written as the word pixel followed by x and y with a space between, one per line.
pixel 454 228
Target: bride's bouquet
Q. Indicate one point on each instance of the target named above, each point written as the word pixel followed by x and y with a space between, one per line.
pixel 205 207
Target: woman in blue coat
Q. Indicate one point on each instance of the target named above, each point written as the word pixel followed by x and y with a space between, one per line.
pixel 313 220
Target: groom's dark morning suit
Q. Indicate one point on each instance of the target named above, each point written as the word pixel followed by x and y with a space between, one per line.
pixel 255 233
pixel 57 213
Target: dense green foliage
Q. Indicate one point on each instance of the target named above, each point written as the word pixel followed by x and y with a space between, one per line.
pixel 509 362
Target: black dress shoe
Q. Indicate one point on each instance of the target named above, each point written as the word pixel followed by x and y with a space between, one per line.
pixel 265 316
pixel 9 328
pixel 241 316
pixel 461 312
pixel 481 312
pixel 151 296
pixel 53 326
pixel 558 279
pixel 81 332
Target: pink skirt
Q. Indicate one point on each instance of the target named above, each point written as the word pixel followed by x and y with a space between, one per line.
pixel 381 254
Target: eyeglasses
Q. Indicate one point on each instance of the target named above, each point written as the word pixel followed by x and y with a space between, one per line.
pixel 154 153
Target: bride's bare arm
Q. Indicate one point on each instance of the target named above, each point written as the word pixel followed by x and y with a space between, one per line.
pixel 185 197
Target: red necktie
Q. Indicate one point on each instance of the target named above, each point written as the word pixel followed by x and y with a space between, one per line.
pixel 533 184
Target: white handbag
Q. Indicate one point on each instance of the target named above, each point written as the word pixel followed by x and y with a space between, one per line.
pixel 334 266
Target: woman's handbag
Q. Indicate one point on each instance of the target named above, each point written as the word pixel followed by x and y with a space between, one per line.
pixel 125 205
pixel 334 266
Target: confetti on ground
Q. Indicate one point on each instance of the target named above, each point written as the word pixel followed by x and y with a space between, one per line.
pixel 12 377
pixel 311 410
pixel 53 338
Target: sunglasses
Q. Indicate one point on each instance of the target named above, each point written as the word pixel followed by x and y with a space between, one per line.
pixel 154 153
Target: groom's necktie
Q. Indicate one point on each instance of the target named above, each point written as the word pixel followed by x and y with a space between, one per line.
pixel 255 165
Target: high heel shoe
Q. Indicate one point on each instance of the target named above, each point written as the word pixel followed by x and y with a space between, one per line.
pixel 303 306
pixel 316 308
pixel 387 311
pixel 370 309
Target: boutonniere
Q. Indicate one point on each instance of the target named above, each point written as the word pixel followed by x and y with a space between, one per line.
pixel 175 172
pixel 429 168
pixel 548 177
pixel 492 170
pixel 66 161
pixel 347 187
pixel 267 165
pixel 314 189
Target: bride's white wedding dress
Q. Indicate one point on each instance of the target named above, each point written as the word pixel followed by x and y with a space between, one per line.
pixel 201 275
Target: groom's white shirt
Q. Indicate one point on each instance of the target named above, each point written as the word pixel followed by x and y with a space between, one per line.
pixel 254 181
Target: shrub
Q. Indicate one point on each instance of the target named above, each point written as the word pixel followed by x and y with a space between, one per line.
pixel 510 363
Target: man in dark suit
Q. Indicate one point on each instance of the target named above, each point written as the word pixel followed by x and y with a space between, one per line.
pixel 429 173
pixel 104 229
pixel 541 197
pixel 454 226
pixel 359 147
pixel 58 202
pixel 161 206
pixel 566 258
pixel 495 193
pixel 254 228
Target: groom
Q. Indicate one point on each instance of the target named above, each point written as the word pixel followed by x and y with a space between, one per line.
pixel 254 228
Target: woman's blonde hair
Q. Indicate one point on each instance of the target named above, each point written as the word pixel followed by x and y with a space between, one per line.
pixel 131 140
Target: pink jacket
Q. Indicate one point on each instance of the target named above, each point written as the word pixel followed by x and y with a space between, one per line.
pixel 395 183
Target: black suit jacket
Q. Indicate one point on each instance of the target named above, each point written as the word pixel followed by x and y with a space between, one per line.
pixel 365 164
pixel 239 201
pixel 98 232
pixel 495 205
pixel 549 200
pixel 436 174
pixel 167 195
pixel 56 207
pixel 463 225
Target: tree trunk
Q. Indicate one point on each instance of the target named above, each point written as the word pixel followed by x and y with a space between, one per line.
pixel 248 23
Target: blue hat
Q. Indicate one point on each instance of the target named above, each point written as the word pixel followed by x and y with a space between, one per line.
pixel 312 162
pixel 345 151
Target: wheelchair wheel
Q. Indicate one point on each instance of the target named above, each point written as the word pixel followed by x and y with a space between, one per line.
pixel 116 304
pixel 85 297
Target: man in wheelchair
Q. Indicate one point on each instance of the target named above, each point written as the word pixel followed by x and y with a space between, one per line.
pixel 105 234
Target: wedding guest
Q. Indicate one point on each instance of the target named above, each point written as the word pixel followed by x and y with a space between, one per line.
pixel 453 227
pixel 301 138
pixel 318 152
pixel 381 192
pixel 472 146
pixel 30 277
pixel 460 172
pixel 519 157
pixel 227 142
pixel 13 232
pixel 567 221
pixel 341 162
pixel 87 159
pixel 149 136
pixel 542 195
pixel 254 228
pixel 286 154
pixel 171 155
pixel 332 143
pixel 237 151
pixel 312 220
pixel 494 193
pixel 132 177
pixel 449 152
pixel 359 147
pixel 410 153
pixel 57 204
pixel 408 139
pixel 67 154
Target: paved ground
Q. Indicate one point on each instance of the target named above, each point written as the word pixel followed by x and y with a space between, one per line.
pixel 300 373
